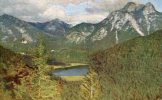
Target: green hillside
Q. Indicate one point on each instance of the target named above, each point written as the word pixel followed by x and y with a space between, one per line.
pixel 14 74
pixel 19 81
pixel 9 59
pixel 131 70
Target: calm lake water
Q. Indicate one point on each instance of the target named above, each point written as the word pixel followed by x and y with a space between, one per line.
pixel 80 70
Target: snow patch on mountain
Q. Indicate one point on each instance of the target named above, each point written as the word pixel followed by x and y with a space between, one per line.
pixel 150 15
pixel 26 38
pixel 134 24
pixel 118 20
pixel 92 28
pixel 131 20
pixel 21 30
pixel 3 28
pixel 99 34
pixel 114 19
pixel 116 37
pixel 148 24
pixel 7 33
pixel 78 37
pixel 4 38
pixel 149 9
pixel 51 28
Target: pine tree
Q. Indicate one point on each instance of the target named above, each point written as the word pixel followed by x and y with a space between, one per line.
pixel 44 86
pixel 90 88
pixel 39 61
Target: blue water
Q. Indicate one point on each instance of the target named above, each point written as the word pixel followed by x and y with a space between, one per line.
pixel 73 71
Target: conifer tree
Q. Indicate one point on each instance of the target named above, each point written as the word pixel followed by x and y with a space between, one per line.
pixel 90 88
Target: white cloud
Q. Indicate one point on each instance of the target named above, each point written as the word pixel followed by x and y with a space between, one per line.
pixel 32 10
pixel 45 10
pixel 90 18
pixel 54 12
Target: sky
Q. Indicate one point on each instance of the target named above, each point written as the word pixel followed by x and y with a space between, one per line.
pixel 70 11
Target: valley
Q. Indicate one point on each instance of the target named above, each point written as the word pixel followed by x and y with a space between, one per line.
pixel 118 58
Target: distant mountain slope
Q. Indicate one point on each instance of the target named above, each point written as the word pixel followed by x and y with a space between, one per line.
pixel 16 33
pixel 131 21
pixel 127 23
pixel 55 27
pixel 131 70
pixel 20 35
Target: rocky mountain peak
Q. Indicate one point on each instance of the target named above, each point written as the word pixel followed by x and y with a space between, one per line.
pixel 6 16
pixel 149 8
pixel 8 19
pixel 57 20
pixel 149 4
pixel 130 6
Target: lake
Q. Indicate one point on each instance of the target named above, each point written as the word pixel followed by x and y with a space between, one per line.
pixel 80 70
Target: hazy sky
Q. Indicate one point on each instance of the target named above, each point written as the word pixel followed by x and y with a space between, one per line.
pixel 70 11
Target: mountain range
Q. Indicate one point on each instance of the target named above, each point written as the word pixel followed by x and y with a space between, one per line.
pixel 129 22
pixel 123 55
pixel 54 27
pixel 17 34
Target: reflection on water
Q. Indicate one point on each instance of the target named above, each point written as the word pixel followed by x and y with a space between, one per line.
pixel 81 70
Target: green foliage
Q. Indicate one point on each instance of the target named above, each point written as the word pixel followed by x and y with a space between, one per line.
pixel 72 56
pixel 131 70
pixel 90 87
pixel 41 45
pixel 12 71
pixel 71 91
pixel 128 71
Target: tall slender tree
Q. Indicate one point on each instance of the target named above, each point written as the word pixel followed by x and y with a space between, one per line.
pixel 90 88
